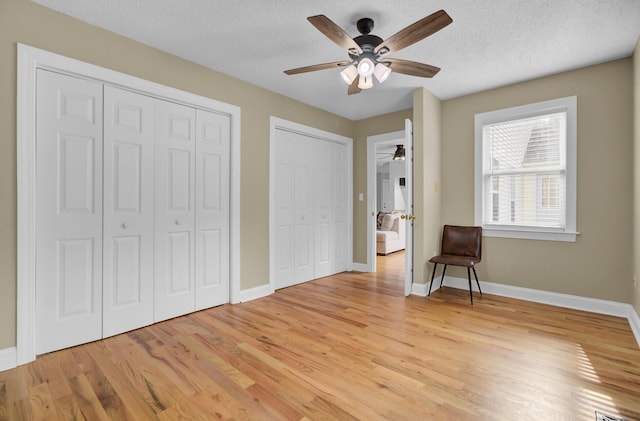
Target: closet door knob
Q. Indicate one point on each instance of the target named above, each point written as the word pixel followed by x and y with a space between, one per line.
pixel 124 225
pixel 177 222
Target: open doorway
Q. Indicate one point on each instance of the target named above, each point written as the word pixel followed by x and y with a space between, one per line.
pixel 390 202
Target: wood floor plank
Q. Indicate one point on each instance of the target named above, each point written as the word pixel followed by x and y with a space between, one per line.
pixel 345 347
pixel 88 402
pixel 119 372
pixel 4 409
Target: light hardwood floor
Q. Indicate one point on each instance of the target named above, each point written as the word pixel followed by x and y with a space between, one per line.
pixel 349 346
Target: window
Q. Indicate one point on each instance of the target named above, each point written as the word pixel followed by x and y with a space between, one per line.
pixel 525 173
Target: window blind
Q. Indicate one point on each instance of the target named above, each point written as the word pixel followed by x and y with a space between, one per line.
pixel 524 177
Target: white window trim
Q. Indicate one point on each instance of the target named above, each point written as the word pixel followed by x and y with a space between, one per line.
pixel 568 105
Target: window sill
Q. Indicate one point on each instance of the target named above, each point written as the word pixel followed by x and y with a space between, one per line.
pixel 569 237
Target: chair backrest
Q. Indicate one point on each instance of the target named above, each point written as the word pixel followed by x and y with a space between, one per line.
pixel 462 241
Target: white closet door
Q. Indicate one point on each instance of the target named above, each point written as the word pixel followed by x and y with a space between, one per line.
pixel 303 198
pixel 284 222
pixel 340 208
pixel 69 212
pixel 174 206
pixel 322 184
pixel 213 135
pixel 295 215
pixel 129 136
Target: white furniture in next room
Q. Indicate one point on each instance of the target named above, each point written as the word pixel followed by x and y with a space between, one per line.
pixel 390 233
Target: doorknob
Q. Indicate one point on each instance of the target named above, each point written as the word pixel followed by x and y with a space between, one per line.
pixel 124 225
pixel 408 217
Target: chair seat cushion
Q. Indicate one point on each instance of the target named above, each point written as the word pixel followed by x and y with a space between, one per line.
pixel 447 259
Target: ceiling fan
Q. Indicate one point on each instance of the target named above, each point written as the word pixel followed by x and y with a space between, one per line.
pixel 397 155
pixel 367 52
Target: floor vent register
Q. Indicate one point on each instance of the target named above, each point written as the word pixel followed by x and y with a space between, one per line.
pixel 604 417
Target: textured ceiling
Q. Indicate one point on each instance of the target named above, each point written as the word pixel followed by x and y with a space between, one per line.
pixel 490 43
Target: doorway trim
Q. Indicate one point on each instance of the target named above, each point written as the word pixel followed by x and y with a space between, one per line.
pixel 372 145
pixel 29 60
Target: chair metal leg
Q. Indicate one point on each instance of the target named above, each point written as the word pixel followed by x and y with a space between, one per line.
pixel 476 275
pixel 470 291
pixel 435 265
pixel 443 271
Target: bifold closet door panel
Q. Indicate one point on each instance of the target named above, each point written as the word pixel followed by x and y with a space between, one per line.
pixel 303 199
pixel 294 231
pixel 213 136
pixel 284 229
pixel 330 193
pixel 174 210
pixel 69 211
pixel 129 138
pixel 322 183
pixel 339 212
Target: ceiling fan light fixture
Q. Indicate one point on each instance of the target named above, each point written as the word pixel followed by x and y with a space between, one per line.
pixel 366 50
pixel 366 67
pixel 365 82
pixel 399 154
pixel 382 72
pixel 349 74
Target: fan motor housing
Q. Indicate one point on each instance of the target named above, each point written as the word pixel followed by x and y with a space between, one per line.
pixel 367 42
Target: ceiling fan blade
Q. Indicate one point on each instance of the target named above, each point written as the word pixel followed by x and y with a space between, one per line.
pixel 315 67
pixel 353 88
pixel 415 32
pixel 335 33
pixel 411 67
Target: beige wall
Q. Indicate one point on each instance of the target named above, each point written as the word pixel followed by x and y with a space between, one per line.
pixel 600 263
pixel 636 160
pixel 22 21
pixel 427 143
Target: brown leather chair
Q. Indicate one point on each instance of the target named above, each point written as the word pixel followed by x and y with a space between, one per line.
pixel 461 246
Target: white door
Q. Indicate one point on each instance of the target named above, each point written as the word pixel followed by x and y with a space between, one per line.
pixel 295 215
pixel 69 211
pixel 387 196
pixel 340 207
pixel 408 158
pixel 174 210
pixel 284 211
pixel 310 208
pixel 322 200
pixel 212 209
pixel 303 204
pixel 129 136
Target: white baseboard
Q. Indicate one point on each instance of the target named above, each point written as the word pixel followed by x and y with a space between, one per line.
pixel 255 293
pixel 360 267
pixel 8 358
pixel 634 322
pixel 575 302
pixel 419 289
